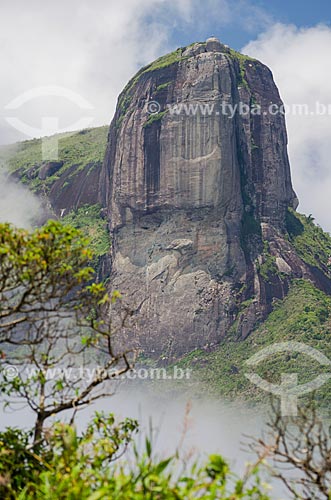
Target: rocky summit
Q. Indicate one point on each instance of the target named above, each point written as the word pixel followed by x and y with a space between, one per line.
pixel 198 201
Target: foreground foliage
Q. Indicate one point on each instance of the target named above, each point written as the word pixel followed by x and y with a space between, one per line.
pixel 104 462
pixel 56 330
pixel 72 466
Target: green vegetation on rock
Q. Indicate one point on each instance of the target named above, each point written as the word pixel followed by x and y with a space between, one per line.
pixel 311 243
pixel 302 316
pixel 87 218
pixel 155 118
pixel 242 60
pixel 268 268
pixel 166 60
pixel 163 86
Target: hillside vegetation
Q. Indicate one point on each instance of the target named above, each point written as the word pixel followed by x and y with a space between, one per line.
pixel 304 316
pixel 88 220
pixel 75 149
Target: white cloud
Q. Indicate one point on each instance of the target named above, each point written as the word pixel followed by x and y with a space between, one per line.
pixel 91 48
pixel 299 61
pixel 17 205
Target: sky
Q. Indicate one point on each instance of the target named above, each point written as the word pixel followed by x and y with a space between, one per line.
pixel 64 64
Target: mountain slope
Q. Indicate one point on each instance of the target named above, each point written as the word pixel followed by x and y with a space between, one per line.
pixel 200 204
pixel 205 243
pixel 70 181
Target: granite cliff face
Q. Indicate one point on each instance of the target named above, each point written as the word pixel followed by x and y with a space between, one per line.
pixel 197 200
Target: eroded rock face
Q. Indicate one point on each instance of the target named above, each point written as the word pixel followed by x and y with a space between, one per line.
pixel 75 188
pixel 187 193
pixel 49 168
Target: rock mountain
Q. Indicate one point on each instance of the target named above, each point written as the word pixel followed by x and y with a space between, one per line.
pixel 199 204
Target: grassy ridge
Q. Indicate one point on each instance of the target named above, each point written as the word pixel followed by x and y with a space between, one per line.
pixel 74 149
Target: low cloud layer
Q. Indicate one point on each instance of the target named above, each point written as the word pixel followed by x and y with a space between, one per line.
pixel 17 205
pixel 302 71
pixel 195 428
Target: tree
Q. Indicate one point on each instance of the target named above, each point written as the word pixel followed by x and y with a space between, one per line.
pixel 300 448
pixel 55 326
pixel 85 456
pixel 52 317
